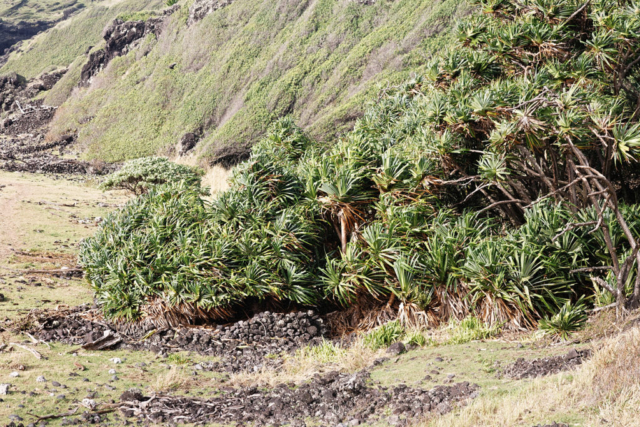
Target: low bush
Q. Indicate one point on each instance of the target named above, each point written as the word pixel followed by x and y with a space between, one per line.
pixel 138 176
pixel 482 189
pixel 570 318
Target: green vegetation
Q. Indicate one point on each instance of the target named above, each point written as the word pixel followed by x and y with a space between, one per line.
pixel 246 65
pixel 138 176
pixel 486 187
pixel 325 352
pixel 384 335
pixel 570 318
pixel 142 15
pixel 471 329
pixel 63 44
pixel 39 10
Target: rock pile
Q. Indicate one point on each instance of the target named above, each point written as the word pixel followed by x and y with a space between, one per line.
pixel 546 366
pixel 16 93
pixel 332 399
pixel 242 346
pixel 23 147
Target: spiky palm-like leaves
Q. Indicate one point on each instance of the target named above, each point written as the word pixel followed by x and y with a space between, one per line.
pixel 435 199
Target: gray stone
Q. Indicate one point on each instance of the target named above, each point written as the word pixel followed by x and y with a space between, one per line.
pixel 444 408
pixel 396 349
pixel 4 389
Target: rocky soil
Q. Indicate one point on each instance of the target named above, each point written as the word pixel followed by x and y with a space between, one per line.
pixel 24 122
pixel 241 346
pixel 545 366
pixel 334 399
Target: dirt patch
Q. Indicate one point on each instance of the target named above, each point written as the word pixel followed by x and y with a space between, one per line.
pixel 333 398
pixel 546 366
pixel 242 346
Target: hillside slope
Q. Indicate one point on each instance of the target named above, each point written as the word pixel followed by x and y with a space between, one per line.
pixel 227 76
pixel 61 45
pixel 22 19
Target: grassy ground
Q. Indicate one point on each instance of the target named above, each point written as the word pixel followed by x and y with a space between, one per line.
pixel 35 235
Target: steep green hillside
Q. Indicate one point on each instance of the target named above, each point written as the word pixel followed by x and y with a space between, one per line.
pixel 243 66
pixel 61 45
pixel 39 10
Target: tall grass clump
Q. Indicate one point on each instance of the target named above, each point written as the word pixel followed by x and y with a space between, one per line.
pixel 384 335
pixel 471 329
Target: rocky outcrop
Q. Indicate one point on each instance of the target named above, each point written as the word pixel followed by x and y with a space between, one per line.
pixel 202 8
pixel 230 155
pixel 188 142
pixel 16 96
pixel 121 37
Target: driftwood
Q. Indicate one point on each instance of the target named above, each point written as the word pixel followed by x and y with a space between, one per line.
pixel 61 271
pixel 66 205
pixel 30 350
pixel 103 343
pixel 68 414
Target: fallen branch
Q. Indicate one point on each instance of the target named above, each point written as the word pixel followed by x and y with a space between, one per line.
pixel 604 308
pixel 590 269
pixel 66 205
pixel 68 270
pixel 33 340
pixel 30 350
pixel 504 202
pixel 72 413
pixel 54 416
pixel 571 226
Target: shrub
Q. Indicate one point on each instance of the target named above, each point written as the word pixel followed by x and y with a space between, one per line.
pixel 570 318
pixel 138 176
pixel 170 3
pixel 170 254
pixel 482 188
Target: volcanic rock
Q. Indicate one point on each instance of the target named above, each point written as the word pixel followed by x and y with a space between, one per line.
pixel 522 368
